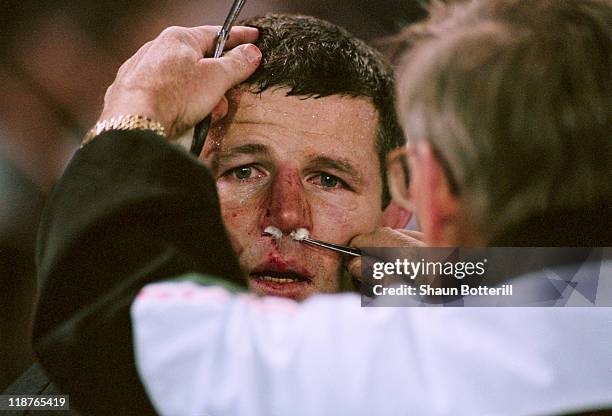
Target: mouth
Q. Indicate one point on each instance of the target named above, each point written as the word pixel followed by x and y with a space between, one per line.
pixel 286 281
pixel 280 277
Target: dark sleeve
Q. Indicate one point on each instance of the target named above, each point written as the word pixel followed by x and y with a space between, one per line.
pixel 130 209
pixel 34 382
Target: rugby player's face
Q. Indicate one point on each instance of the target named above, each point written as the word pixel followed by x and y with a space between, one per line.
pixel 295 162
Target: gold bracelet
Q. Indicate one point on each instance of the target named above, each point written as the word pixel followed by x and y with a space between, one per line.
pixel 123 122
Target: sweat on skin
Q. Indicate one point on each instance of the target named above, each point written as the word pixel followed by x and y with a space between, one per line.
pixel 294 162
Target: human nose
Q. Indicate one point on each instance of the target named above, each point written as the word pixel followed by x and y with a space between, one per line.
pixel 287 207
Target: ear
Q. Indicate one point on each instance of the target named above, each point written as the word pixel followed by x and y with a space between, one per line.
pixel 395 216
pixel 435 204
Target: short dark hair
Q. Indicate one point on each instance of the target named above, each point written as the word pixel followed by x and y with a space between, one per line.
pixel 315 58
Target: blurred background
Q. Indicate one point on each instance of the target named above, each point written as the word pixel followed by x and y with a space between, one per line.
pixel 56 60
pixel 58 57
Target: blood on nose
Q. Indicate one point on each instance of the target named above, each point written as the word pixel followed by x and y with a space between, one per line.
pixel 287 208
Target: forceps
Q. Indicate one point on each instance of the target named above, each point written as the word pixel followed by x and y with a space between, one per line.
pixel 350 251
pixel 201 129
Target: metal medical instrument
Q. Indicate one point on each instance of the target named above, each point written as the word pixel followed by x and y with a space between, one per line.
pixel 201 129
pixel 349 251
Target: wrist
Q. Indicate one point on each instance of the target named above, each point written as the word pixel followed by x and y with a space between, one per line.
pixel 133 103
pixel 125 122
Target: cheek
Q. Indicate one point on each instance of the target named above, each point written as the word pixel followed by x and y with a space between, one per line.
pixel 337 224
pixel 233 196
pixel 241 223
pixel 339 202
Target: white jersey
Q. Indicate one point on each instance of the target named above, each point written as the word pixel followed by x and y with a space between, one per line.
pixel 203 351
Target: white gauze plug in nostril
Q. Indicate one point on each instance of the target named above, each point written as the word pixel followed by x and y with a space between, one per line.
pixel 300 234
pixel 274 232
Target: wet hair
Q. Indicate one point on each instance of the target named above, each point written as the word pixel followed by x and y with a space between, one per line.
pixel 516 98
pixel 314 58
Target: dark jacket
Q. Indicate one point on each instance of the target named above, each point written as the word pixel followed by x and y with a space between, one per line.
pixel 34 382
pixel 130 209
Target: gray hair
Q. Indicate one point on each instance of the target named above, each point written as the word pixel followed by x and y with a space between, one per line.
pixel 515 97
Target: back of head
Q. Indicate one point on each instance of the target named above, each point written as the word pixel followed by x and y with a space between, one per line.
pixel 314 58
pixel 515 96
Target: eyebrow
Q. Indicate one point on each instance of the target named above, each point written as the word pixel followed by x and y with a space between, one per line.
pixel 318 162
pixel 246 149
pixel 338 164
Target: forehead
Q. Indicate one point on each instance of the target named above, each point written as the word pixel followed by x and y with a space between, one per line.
pixel 289 124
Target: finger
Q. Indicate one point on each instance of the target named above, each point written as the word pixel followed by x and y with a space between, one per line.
pixel 219 111
pixel 231 69
pixel 201 39
pixel 206 37
pixel 240 35
pixel 354 268
pixel 413 233
pixel 373 239
pixel 360 240
pixel 418 235
pixel 388 237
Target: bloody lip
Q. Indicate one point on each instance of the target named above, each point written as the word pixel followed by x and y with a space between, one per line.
pixel 294 290
pixel 275 266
